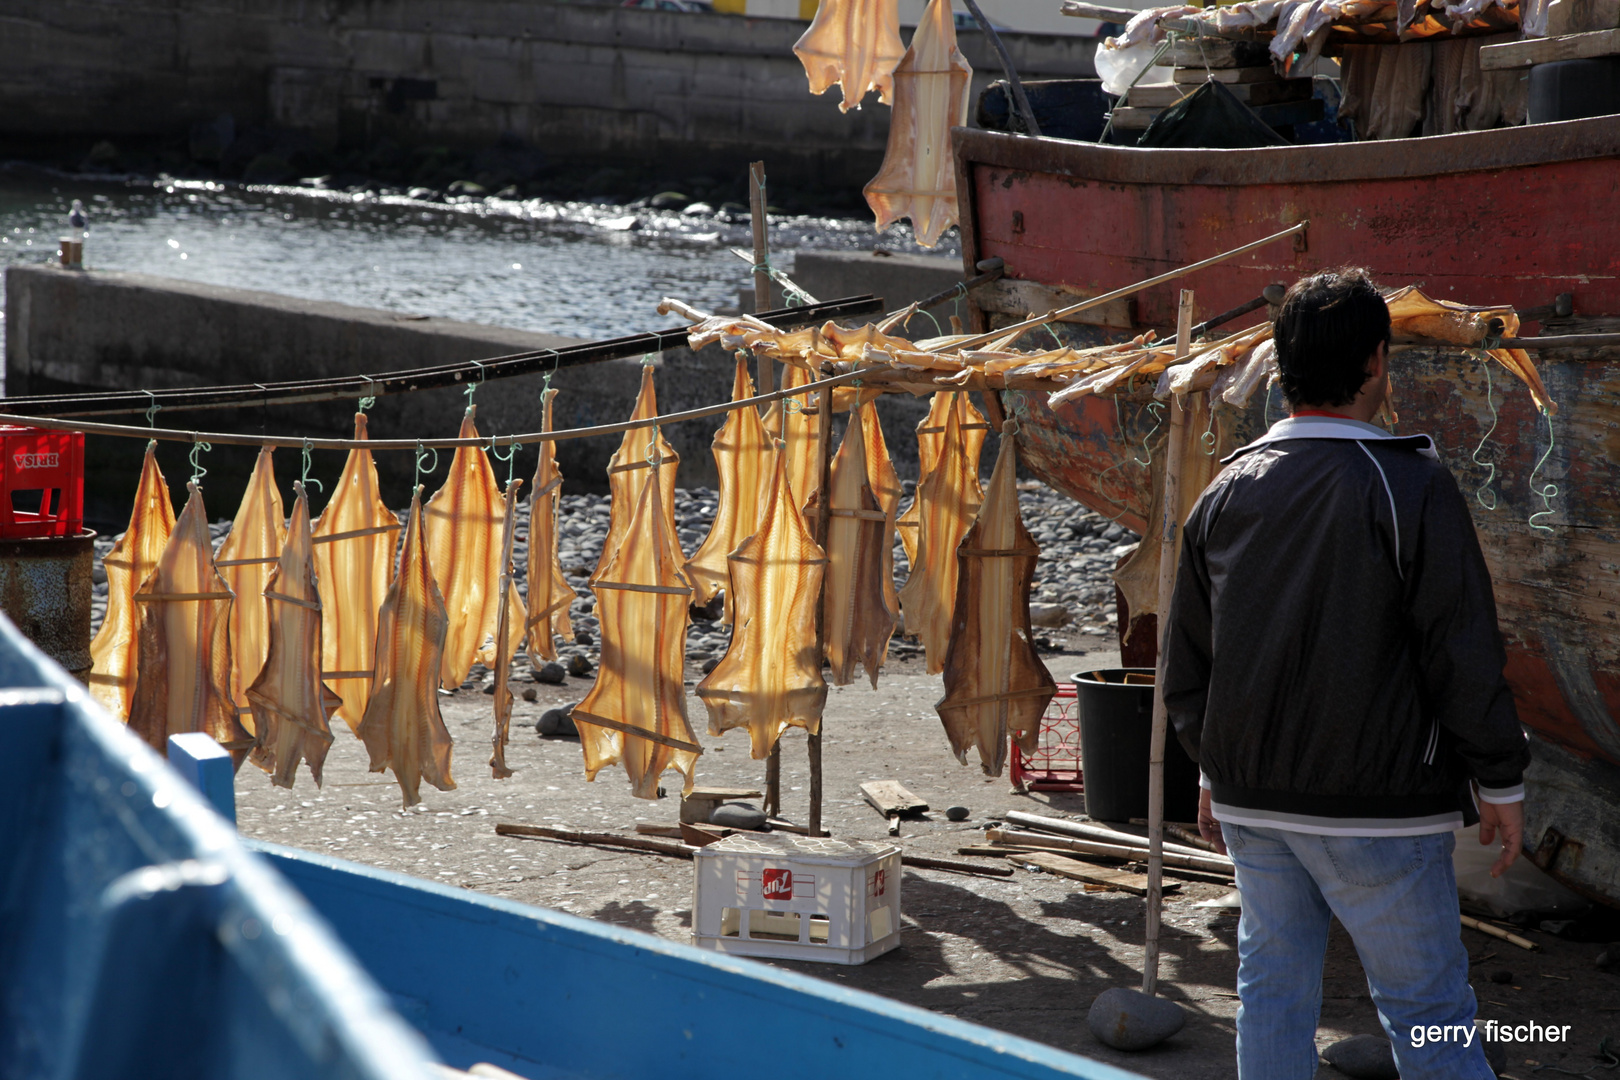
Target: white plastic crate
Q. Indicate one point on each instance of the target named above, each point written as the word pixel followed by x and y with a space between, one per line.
pixel 797 898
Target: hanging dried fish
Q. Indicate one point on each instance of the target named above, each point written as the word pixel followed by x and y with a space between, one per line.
pixel 948 501
pixel 857 617
pixel 995 683
pixel 115 652
pixel 463 531
pixel 886 489
pixel 290 702
pixel 184 680
pixel 402 728
pixel 930 438
pixel 744 454
pixel 635 715
pixel 854 43
pixel 918 177
pixel 770 677
pixel 799 428
pixel 246 560
pixel 508 631
pixel 550 595
pixel 354 562
pixel 628 471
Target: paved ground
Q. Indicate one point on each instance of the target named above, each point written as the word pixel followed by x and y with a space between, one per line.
pixel 1025 955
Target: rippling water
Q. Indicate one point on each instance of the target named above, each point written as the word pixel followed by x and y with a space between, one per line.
pixel 580 269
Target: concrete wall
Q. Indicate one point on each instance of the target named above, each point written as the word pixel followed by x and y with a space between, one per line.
pixel 68 332
pixel 576 80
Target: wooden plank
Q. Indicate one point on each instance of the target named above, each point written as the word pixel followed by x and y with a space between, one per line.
pixel 1254 94
pixel 668 832
pixel 1121 880
pixel 1128 119
pixel 891 797
pixel 1230 76
pixel 1013 296
pixel 1156 97
pixel 925 862
pixel 1531 51
pixel 568 836
pixel 702 835
pixel 1217 53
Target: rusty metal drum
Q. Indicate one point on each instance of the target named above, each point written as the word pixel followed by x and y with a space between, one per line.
pixel 45 588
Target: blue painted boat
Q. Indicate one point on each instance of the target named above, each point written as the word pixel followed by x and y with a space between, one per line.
pixel 139 936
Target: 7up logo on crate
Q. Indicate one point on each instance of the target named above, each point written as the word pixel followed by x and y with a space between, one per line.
pixel 23 460
pixel 777 885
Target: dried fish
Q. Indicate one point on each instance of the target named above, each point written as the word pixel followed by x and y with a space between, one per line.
pixel 508 632
pixel 402 728
pixel 854 43
pixel 918 177
pixel 354 562
pixel 184 681
pixel 635 715
pixel 930 438
pixel 115 652
pixel 886 489
pixel 947 501
pixel 629 468
pixel 744 454
pixel 246 560
pixel 549 592
pixel 463 535
pixel 770 677
pixel 995 683
pixel 290 703
pixel 797 425
pixel 857 617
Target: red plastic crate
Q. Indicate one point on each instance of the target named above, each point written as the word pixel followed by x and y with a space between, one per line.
pixel 1055 764
pixel 41 483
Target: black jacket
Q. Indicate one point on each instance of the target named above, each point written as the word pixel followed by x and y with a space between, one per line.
pixel 1332 658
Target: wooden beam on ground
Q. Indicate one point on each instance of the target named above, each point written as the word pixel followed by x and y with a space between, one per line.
pixel 1074 869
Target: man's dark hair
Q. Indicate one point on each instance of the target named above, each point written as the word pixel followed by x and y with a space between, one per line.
pixel 1327 329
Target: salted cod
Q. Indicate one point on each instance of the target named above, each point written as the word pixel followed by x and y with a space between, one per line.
pixel 246 560
pixel 635 715
pixel 854 43
pixel 508 632
pixel 948 501
pixel 115 652
pixel 463 531
pixel 918 177
pixel 291 705
pixel 799 428
pixel 184 680
pixel 744 454
pixel 402 728
pixel 626 476
pixel 995 682
pixel 857 616
pixel 550 595
pixel 930 438
pixel 770 677
pixel 886 489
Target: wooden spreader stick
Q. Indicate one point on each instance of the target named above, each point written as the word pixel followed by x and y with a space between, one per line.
pixel 823 518
pixel 1169 529
pixel 765 380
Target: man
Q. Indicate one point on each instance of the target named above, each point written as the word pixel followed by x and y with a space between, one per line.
pixel 1333 662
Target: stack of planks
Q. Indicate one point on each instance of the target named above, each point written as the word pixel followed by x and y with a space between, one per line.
pixel 1102 857
pixel 1243 67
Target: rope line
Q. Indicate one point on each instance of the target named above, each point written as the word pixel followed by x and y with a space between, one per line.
pixel 307 479
pixel 1549 490
pixel 1485 488
pixel 198 448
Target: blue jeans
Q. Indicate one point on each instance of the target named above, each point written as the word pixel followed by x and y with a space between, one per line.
pixel 1398 899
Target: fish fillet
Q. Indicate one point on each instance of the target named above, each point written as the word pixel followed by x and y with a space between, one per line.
pixel 508 632
pixel 550 595
pixel 918 177
pixel 354 562
pixel 886 489
pixel 246 560
pixel 799 432
pixel 402 728
pixel 290 702
pixel 635 715
pixel 744 455
pixel 856 613
pixel 854 43
pixel 628 471
pixel 995 683
pixel 463 531
pixel 184 679
pixel 947 502
pixel 770 677
pixel 115 653
pixel 930 437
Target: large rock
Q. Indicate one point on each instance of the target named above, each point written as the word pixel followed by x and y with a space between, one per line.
pixel 551 672
pixel 557 722
pixel 1363 1057
pixel 1130 1020
pixel 737 816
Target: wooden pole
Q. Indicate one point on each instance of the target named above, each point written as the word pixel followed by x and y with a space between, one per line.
pixel 1015 85
pixel 765 382
pixel 823 518
pixel 1169 528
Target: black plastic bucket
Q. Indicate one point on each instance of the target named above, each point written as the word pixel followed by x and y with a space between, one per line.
pixel 1116 740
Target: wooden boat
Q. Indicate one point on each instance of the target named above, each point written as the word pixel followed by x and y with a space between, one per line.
pixel 1511 216
pixel 139 936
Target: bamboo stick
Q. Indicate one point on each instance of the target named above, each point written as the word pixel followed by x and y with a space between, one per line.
pixel 1207 863
pixel 1499 933
pixel 1087 831
pixel 633 843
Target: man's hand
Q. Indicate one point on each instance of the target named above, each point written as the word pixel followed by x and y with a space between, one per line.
pixel 1208 827
pixel 1507 817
